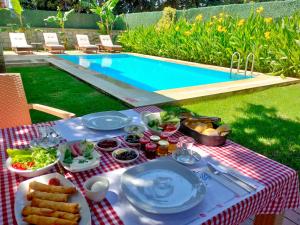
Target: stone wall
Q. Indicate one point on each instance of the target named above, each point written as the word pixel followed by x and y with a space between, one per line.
pixel 36 35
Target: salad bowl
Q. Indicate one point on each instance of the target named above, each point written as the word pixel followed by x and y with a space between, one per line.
pixel 159 122
pixel 31 172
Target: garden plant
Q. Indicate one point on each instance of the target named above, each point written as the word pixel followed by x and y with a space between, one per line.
pixel 274 42
pixel 60 20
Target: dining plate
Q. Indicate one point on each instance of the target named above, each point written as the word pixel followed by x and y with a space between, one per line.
pixel 87 164
pixel 162 187
pixel 21 200
pixel 110 120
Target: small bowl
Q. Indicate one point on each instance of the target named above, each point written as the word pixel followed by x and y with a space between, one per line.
pixel 134 129
pixel 108 149
pixel 130 143
pixel 115 152
pixel 96 196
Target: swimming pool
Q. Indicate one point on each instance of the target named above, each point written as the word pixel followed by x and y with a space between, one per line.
pixel 150 74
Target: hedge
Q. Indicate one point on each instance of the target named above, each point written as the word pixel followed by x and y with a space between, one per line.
pixel 36 19
pixel 275 9
pixel 88 21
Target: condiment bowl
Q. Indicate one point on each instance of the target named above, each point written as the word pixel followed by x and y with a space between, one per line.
pixel 99 194
pixel 120 150
pixel 97 147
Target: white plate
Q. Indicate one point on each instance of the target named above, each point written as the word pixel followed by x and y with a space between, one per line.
pixel 21 200
pixel 91 164
pixel 110 120
pixel 162 187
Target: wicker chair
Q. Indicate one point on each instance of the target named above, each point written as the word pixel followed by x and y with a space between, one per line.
pixel 14 109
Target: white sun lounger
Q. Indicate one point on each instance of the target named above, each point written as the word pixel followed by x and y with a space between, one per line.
pixel 19 43
pixel 52 44
pixel 106 44
pixel 83 43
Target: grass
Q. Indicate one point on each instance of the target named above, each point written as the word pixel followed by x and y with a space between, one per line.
pixel 267 121
pixel 53 87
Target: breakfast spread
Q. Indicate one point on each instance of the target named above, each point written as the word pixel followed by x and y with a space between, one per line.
pixel 50 202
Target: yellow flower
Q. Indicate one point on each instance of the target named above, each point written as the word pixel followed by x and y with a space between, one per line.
pixel 199 18
pixel 214 17
pixel 187 33
pixel 267 35
pixel 221 14
pixel 211 23
pixel 268 20
pixel 177 28
pixel 221 29
pixel 260 9
pixel 220 20
pixel 241 22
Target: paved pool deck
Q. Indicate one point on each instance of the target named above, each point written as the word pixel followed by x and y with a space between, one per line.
pixel 136 97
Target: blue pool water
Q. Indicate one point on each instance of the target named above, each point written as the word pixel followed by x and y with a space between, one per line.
pixel 150 74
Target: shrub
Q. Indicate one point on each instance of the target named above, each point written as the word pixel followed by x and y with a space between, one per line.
pixel 274 42
pixel 167 19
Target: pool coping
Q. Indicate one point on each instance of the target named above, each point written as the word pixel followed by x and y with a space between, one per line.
pixel 137 97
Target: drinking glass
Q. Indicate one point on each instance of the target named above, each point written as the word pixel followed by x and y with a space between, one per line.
pixel 186 144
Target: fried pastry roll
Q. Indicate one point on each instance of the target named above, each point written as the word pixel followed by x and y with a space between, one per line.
pixel 56 197
pixel 37 186
pixel 59 206
pixel 28 210
pixel 43 220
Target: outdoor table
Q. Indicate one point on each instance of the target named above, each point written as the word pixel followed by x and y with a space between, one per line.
pixel 36 44
pixel 280 187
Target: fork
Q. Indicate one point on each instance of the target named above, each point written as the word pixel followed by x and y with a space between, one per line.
pixel 215 171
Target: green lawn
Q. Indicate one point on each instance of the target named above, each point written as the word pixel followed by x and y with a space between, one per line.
pixel 266 121
pixel 53 87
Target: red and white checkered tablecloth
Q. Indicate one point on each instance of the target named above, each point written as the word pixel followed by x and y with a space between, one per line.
pixel 281 191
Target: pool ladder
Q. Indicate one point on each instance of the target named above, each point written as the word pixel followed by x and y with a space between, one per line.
pixel 238 56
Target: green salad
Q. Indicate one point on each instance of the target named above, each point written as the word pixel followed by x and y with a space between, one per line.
pixel 166 123
pixel 32 158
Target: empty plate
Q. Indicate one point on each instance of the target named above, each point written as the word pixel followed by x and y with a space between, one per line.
pixel 162 187
pixel 110 120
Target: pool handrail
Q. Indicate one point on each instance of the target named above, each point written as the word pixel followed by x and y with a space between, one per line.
pixel 247 61
pixel 238 61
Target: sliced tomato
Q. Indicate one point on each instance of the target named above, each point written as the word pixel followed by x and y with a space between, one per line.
pixel 54 181
pixel 169 128
pixel 30 164
pixel 22 166
pixel 19 166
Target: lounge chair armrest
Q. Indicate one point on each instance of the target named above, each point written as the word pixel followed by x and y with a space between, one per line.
pixel 53 111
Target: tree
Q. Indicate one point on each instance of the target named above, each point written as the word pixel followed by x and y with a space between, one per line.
pixel 105 11
pixel 60 20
